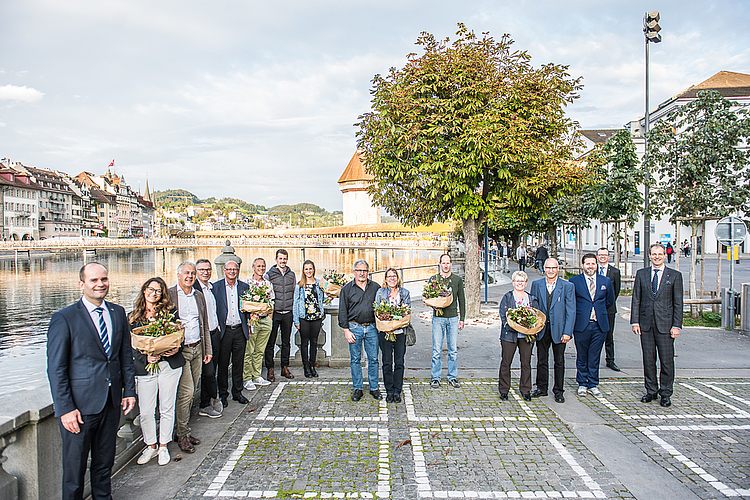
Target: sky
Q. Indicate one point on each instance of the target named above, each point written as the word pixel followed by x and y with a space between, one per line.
pixel 258 100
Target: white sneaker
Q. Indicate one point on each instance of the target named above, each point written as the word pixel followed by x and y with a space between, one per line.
pixel 147 455
pixel 164 457
pixel 261 381
pixel 595 391
pixel 581 390
pixel 249 385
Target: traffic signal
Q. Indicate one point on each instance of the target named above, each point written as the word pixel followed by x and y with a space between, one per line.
pixel 651 26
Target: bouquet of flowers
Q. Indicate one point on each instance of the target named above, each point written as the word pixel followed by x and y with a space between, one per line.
pixel 162 334
pixel 437 293
pixel 257 299
pixel 332 282
pixel 526 320
pixel 390 317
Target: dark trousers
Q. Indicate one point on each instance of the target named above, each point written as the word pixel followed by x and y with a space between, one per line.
pixel 522 263
pixel 609 342
pixel 98 434
pixel 232 347
pixel 308 334
pixel 508 351
pixel 663 343
pixel 589 345
pixel 209 385
pixel 393 362
pixel 281 322
pixel 542 364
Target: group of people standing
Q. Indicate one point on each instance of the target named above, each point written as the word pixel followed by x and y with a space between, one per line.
pixel 584 309
pixel 524 256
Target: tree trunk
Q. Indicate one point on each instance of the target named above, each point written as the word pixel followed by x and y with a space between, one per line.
pixel 693 260
pixel 471 276
pixel 553 241
pixel 703 258
pixel 716 308
pixel 617 245
pixel 677 246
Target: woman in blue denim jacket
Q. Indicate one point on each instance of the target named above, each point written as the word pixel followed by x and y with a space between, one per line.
pixel 308 313
pixel 511 339
pixel 393 352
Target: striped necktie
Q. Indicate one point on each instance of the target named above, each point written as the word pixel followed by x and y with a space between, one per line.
pixel 103 330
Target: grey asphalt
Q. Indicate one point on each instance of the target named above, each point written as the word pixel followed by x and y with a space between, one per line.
pixel 625 461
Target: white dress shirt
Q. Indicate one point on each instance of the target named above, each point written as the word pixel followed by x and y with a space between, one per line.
pixel 661 275
pixel 95 317
pixel 213 320
pixel 189 315
pixel 233 315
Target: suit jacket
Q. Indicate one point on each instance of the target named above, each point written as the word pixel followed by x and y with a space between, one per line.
pixel 603 300
pixel 562 310
pixel 79 371
pixel 614 275
pixel 660 313
pixel 202 317
pixel 220 292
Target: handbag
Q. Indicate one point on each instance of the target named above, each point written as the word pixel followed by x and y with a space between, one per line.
pixel 411 335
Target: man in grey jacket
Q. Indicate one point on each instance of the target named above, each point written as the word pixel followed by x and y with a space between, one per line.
pixel 283 280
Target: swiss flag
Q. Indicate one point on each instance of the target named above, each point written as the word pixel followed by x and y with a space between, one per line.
pixel 112 164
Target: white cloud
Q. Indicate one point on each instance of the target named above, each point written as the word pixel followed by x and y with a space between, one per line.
pixel 24 94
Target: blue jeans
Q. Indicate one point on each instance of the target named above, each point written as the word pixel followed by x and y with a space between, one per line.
pixel 369 336
pixel 444 328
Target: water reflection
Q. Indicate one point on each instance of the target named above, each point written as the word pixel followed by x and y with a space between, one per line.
pixel 34 288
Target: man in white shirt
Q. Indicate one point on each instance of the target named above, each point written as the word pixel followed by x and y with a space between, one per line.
pixel 210 406
pixel 191 309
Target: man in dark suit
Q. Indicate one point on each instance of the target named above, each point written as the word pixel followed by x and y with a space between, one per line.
pixel 656 315
pixel 234 332
pixel 611 272
pixel 594 295
pixel 91 376
pixel 557 299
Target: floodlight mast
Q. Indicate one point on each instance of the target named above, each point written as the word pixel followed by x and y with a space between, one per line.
pixel 651 31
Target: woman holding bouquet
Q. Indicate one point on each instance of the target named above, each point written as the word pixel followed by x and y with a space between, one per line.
pixel 393 350
pixel 511 339
pixel 308 316
pixel 152 302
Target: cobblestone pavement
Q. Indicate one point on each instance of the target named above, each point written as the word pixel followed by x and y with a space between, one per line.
pixel 308 440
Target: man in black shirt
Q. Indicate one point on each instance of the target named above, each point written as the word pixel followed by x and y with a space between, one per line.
pixel 357 319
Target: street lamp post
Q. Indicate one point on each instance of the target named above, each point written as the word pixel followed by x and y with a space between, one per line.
pixel 651 31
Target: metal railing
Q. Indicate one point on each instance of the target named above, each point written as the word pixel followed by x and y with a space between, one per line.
pixel 402 269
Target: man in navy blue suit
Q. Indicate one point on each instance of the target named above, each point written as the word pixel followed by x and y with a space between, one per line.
pixel 557 299
pixel 235 332
pixel 594 295
pixel 91 376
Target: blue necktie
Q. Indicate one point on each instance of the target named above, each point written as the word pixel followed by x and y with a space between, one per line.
pixel 103 330
pixel 602 271
pixel 655 283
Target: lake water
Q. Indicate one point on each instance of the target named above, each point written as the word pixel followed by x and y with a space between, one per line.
pixel 32 289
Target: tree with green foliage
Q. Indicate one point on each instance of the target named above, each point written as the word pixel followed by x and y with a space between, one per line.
pixel 464 129
pixel 698 155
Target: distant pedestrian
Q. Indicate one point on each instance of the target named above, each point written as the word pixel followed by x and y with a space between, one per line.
pixel 504 253
pixel 656 315
pixel 670 252
pixel 541 257
pixel 283 280
pixel 447 325
pixel 309 311
pixel 393 350
pixel 521 256
pixel 594 295
pixel 91 377
pixel 357 319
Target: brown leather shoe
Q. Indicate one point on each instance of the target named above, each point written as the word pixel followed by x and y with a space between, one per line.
pixel 185 445
pixel 285 372
pixel 193 440
pixel 270 376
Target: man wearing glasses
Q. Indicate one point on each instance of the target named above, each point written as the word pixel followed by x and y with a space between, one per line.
pixel 209 404
pixel 357 319
pixel 557 300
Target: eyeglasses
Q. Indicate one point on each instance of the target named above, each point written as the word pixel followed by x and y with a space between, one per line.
pixel 153 291
pixel 391 277
pixel 361 270
pixel 548 267
pixel 204 270
pixel 231 270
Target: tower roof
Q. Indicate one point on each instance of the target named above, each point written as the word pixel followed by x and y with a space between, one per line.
pixel 728 83
pixel 355 171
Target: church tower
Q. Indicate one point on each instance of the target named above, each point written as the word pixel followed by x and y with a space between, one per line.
pixel 358 206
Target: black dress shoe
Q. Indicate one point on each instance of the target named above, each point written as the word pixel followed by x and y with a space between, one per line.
pixel 389 398
pixel 537 393
pixel 559 398
pixel 504 396
pixel 612 366
pixel 223 402
pixel 376 394
pixel 665 401
pixel 357 394
pixel 397 398
pixel 241 399
pixel 526 397
pixel 648 398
